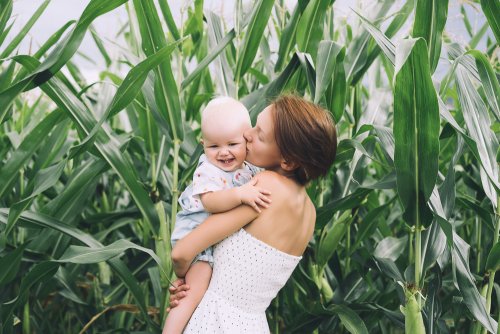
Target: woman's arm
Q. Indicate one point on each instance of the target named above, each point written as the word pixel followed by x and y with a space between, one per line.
pixel 215 228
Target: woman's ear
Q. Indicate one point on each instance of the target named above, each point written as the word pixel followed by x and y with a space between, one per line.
pixel 288 166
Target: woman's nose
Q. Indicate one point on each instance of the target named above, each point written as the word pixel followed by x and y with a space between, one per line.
pixel 246 135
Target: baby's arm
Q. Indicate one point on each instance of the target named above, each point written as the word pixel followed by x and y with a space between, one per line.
pixel 225 200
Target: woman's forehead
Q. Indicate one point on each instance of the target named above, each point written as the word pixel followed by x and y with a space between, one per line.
pixel 265 119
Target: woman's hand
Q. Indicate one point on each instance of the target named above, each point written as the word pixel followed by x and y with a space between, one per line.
pixel 177 292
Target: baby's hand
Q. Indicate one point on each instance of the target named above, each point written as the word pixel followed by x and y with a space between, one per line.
pixel 254 196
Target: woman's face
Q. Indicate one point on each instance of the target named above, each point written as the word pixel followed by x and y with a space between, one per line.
pixel 262 150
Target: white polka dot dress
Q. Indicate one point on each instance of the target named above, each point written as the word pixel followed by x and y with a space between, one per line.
pixel 247 275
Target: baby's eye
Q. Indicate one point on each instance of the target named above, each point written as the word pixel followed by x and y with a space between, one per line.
pixel 213 146
pixel 234 144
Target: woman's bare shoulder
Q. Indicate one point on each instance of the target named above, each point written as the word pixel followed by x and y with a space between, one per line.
pixel 271 178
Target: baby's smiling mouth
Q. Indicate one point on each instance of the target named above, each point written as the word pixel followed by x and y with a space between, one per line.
pixel 226 161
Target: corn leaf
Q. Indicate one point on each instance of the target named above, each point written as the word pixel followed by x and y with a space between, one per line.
pixel 430 19
pixel 5 12
pixel 27 148
pixel 287 39
pixel 221 45
pixel 165 89
pixel 31 219
pixel 43 180
pixel 310 25
pixel 489 81
pixel 491 8
pixel 479 127
pixel 416 130
pixel 253 35
pixel 24 31
pixel 59 56
pixel 126 93
pixel 10 263
pixel 40 272
pixel 325 67
pixel 105 144
pixel 493 260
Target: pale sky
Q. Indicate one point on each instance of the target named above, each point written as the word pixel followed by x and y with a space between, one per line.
pixel 61 11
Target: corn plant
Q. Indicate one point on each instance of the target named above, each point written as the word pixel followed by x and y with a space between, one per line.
pixel 408 218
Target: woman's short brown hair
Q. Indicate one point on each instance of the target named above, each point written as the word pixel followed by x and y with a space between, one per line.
pixel 306 135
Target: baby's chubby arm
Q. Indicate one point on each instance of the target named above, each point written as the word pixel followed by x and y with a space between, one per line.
pixel 225 200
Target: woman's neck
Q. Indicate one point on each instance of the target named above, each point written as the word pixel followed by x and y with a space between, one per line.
pixel 290 175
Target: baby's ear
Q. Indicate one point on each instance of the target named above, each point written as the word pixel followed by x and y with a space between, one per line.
pixel 202 142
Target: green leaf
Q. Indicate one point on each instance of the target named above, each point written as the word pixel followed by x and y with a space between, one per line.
pixel 166 92
pixel 416 130
pixel 43 180
pixel 357 52
pixel 59 56
pixel 221 45
pixel 169 19
pixel 308 68
pixel 433 245
pixel 28 147
pixel 126 93
pixel 325 66
pixel 478 124
pixel 493 261
pixel 390 248
pixel 337 91
pixel 382 40
pixel 325 213
pixel 310 25
pixel 352 322
pixel 224 72
pixel 259 99
pixel 430 19
pixel 100 46
pixel 70 202
pixel 30 219
pixel 287 39
pixel 489 81
pixel 10 264
pixel 106 145
pixel 253 35
pixel 7 75
pixel 81 254
pixel 466 284
pixel 478 36
pixel 368 225
pixel 396 24
pixel 330 238
pixel 5 12
pixel 40 272
pixel 467 24
pixel 491 8
pixel 24 31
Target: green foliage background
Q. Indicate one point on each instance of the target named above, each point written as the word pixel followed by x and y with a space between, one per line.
pixel 408 221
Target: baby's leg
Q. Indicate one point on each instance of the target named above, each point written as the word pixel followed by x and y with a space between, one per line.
pixel 198 278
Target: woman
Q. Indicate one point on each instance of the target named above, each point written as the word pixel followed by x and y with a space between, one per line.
pixel 295 141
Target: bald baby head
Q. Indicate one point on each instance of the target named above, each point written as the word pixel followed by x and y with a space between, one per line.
pixel 224 114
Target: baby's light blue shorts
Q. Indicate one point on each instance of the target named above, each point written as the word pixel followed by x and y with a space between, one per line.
pixel 184 224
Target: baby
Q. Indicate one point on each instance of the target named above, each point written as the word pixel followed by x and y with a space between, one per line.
pixel 221 182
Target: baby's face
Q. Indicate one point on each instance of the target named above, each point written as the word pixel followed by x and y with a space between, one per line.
pixel 225 146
